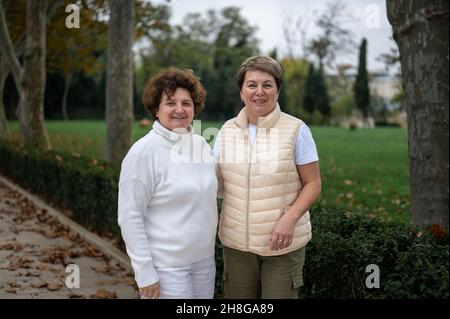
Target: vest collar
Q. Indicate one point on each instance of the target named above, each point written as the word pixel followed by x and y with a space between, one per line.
pixel 267 121
pixel 170 135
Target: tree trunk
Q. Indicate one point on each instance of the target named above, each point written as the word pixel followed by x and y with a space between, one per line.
pixel 33 79
pixel 67 81
pixel 421 32
pixel 119 82
pixel 4 71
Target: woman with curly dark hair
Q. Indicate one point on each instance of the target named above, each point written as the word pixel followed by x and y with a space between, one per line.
pixel 167 207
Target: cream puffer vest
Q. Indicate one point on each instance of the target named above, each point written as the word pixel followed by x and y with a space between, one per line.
pixel 259 182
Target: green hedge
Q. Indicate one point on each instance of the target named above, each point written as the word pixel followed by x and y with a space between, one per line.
pixel 85 186
pixel 413 262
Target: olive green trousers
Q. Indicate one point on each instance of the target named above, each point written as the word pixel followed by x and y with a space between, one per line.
pixel 250 276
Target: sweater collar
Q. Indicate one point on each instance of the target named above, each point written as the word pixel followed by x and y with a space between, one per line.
pixel 170 135
pixel 267 121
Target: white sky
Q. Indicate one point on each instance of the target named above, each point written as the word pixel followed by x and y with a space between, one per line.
pixel 268 16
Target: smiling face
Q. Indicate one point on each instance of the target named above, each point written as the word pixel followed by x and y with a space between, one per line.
pixel 176 111
pixel 259 93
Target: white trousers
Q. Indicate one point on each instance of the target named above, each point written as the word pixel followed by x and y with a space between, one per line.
pixel 195 281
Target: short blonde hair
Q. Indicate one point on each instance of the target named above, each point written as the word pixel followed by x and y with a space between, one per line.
pixel 260 63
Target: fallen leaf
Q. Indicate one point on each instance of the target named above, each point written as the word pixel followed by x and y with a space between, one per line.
pixel 104 294
pixel 54 285
pixel 38 284
pixel 16 246
pixel 102 269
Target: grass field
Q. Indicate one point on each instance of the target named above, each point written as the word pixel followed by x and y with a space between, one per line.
pixel 363 170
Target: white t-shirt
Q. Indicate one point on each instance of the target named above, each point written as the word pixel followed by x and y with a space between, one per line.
pixel 305 147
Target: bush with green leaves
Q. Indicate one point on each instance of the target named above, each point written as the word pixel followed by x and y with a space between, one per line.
pixel 85 186
pixel 412 262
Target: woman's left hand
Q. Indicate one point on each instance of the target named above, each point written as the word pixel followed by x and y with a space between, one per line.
pixel 283 232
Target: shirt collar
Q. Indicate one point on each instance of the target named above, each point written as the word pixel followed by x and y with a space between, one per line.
pixel 170 135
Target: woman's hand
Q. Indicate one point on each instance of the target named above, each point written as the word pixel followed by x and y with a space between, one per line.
pixel 150 292
pixel 283 232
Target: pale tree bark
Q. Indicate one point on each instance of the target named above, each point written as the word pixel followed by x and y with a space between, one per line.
pixel 33 79
pixel 119 81
pixel 421 32
pixel 4 70
pixel 29 79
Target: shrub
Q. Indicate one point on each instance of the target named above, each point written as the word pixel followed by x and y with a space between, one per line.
pixel 70 181
pixel 412 262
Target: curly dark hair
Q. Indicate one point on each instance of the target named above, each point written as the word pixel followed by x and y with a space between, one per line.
pixel 166 82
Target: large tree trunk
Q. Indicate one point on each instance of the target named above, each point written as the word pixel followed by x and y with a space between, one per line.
pixel 4 70
pixel 421 32
pixel 119 81
pixel 33 80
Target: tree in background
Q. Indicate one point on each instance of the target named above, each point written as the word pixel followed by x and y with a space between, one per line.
pixel 78 49
pixel 294 75
pixel 234 43
pixel 361 91
pixel 119 83
pixel 334 38
pixel 213 46
pixel 421 32
pixel 15 21
pixel 282 96
pixel 30 77
pixel 322 97
pixel 309 96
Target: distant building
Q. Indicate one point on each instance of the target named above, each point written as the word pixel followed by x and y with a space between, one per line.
pixel 384 85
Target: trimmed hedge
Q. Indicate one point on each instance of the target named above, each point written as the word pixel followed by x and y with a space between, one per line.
pixel 413 262
pixel 86 186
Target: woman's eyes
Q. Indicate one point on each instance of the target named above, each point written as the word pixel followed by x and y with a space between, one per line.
pixel 265 86
pixel 185 104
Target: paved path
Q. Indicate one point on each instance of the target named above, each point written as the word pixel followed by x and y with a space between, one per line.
pixel 36 248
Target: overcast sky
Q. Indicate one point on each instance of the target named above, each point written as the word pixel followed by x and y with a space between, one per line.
pixel 268 16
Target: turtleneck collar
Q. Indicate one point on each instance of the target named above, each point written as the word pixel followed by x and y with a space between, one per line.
pixel 170 135
pixel 267 121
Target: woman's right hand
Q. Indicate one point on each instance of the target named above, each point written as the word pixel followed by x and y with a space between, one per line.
pixel 150 292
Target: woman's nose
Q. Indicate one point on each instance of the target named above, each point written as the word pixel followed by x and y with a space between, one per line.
pixel 259 90
pixel 179 107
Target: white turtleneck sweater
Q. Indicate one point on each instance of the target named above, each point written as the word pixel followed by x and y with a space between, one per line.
pixel 167 207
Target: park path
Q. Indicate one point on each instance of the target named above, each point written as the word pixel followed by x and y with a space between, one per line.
pixel 35 249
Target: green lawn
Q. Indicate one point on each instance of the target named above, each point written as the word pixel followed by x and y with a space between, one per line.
pixel 363 170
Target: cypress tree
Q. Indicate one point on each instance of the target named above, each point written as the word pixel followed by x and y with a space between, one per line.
pixel 361 87
pixel 309 96
pixel 322 97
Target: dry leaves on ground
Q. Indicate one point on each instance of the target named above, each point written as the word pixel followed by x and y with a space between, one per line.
pixel 104 294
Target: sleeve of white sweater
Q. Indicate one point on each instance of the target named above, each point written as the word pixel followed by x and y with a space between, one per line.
pixel 216 152
pixel 136 186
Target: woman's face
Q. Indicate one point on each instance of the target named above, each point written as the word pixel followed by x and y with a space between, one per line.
pixel 176 111
pixel 259 92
